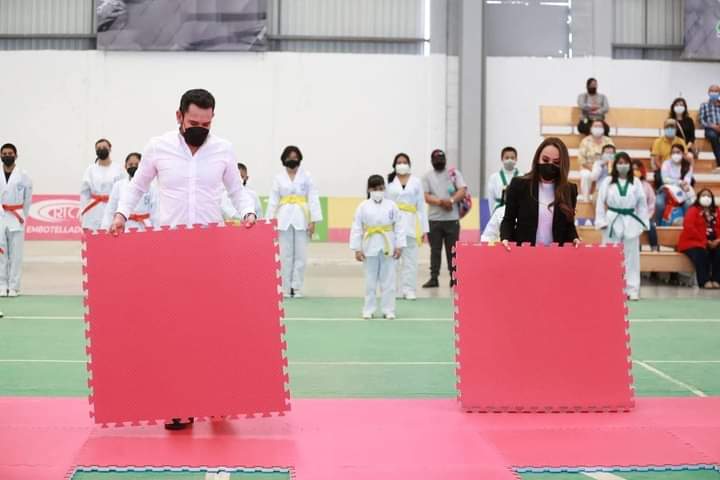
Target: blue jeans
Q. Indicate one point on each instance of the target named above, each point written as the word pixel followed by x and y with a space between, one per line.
pixel 714 139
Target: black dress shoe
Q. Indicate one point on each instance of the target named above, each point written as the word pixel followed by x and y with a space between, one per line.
pixel 432 283
pixel 178 424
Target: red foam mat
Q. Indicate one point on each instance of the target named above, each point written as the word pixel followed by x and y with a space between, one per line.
pixel 369 439
pixel 184 322
pixel 528 337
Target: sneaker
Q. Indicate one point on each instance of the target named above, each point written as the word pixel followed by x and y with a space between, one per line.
pixel 3 293
pixel 12 293
pixel 367 316
pixel 178 424
pixel 716 284
pixel 389 316
pixel 410 296
pixel 432 283
pixel 297 294
pixel 634 297
pixel 287 295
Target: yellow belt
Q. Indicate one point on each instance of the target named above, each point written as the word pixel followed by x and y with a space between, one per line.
pixel 380 230
pixel 297 200
pixel 407 207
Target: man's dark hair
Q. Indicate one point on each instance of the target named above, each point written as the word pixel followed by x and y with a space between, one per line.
pixel 202 98
pixel 609 145
pixel 241 166
pixel 508 149
pixel 10 146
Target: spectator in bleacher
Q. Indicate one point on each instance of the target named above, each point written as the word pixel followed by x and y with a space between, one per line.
pixel 661 149
pixel 589 152
pixel 676 191
pixel 593 106
pixel 601 168
pixel 710 120
pixel 540 206
pixel 700 239
pixel 498 181
pixel 683 121
pixel 640 173
pixel 621 213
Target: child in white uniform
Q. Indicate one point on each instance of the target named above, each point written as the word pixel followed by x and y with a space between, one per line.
pixel 229 212
pixel 621 213
pixel 295 202
pixel 377 238
pixel 406 191
pixel 144 215
pixel 15 196
pixel 499 181
pixel 97 184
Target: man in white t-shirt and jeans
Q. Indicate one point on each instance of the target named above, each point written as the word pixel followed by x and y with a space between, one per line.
pixel 443 191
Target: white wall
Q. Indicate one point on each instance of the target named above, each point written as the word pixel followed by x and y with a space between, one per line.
pixel 517 87
pixel 348 113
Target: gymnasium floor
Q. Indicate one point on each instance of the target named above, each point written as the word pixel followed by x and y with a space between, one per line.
pixel 334 355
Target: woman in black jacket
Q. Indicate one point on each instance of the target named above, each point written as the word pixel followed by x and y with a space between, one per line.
pixel 540 206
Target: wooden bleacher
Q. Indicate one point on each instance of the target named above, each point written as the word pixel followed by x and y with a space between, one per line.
pixel 564 119
pixel 631 129
pixel 664 261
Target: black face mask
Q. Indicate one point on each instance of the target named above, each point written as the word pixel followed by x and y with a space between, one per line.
pixel 292 164
pixel 592 90
pixel 195 136
pixel 549 171
pixel 439 165
pixel 102 153
pixel 8 160
pixel 131 171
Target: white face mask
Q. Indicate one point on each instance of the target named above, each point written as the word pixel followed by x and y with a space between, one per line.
pixel 623 169
pixel 705 201
pixel 676 157
pixel 402 168
pixel 377 195
pixel 597 131
pixel 509 164
pixel 679 109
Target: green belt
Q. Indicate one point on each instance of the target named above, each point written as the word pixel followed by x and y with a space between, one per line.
pixel 624 211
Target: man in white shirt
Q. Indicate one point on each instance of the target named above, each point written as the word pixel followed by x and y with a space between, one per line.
pixel 192 168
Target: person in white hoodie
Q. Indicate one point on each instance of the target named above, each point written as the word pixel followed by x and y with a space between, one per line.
pixel 97 184
pixel 229 212
pixel 295 202
pixel 16 196
pixel 621 213
pixel 377 237
pixel 406 190
pixel 144 215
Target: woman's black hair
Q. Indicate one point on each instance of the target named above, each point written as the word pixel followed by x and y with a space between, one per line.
pixel 391 175
pixel 133 154
pixel 373 182
pixel 675 102
pixel 609 145
pixel 615 174
pixel 288 150
pixel 712 195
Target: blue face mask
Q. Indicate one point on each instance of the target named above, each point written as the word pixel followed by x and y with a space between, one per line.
pixel 714 96
pixel 670 132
